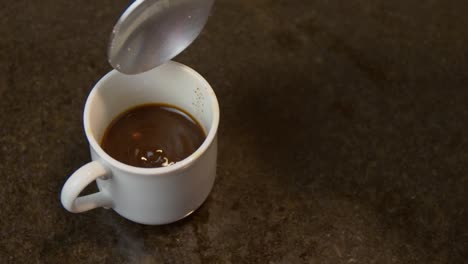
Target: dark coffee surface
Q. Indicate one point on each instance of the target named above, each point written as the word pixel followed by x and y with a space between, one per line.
pixel 152 135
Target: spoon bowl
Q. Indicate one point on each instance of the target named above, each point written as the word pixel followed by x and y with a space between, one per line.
pixel 152 32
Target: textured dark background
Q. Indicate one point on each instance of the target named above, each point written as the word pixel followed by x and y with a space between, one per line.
pixel 343 135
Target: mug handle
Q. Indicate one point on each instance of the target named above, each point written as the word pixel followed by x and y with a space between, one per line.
pixel 78 181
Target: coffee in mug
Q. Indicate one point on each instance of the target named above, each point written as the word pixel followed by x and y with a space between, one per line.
pixel 153 135
pixel 148 195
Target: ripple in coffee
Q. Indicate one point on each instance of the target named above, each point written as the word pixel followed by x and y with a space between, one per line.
pixel 153 135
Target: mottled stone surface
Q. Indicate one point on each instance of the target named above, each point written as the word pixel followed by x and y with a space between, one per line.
pixel 343 136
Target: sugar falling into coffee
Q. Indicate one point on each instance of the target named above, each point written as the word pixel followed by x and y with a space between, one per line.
pixel 152 135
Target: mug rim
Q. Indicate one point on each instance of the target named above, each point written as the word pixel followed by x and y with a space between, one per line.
pixel 160 170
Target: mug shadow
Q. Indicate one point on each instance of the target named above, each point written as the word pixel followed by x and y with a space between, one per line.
pixel 138 243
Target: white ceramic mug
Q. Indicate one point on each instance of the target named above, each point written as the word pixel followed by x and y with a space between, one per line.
pixel 156 195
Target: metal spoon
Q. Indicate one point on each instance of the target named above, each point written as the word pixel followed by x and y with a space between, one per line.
pixel 151 32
